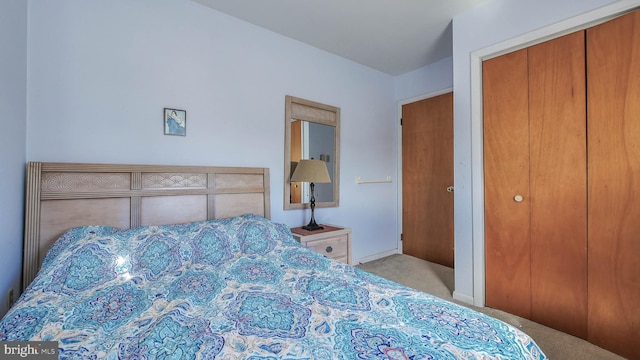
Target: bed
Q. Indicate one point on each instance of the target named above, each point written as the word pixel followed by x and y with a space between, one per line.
pixel 229 286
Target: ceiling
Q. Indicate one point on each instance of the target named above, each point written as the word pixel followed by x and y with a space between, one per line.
pixel 392 36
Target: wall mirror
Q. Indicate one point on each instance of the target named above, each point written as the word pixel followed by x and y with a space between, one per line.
pixel 312 131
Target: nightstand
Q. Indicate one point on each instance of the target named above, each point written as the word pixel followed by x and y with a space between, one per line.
pixel 333 241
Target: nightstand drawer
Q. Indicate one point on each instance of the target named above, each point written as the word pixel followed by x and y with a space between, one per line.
pixel 333 247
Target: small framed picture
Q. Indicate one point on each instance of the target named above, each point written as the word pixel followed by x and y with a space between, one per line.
pixel 175 122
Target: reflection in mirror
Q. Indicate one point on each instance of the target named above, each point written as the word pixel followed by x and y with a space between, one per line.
pixel 311 140
pixel 312 131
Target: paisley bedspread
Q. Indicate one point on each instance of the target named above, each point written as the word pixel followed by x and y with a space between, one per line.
pixel 238 288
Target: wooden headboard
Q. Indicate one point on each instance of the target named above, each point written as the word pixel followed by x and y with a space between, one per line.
pixel 60 196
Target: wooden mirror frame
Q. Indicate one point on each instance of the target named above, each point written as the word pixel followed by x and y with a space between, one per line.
pixel 306 110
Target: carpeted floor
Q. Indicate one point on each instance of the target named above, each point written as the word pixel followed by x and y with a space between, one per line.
pixel 438 280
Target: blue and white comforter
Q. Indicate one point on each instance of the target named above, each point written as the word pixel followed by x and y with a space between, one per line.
pixel 239 288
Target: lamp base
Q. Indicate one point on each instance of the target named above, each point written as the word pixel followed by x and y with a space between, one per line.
pixel 313 227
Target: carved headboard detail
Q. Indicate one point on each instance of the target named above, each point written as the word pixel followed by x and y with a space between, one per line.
pixel 60 196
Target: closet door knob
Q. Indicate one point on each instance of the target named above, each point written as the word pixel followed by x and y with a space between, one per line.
pixel 518 198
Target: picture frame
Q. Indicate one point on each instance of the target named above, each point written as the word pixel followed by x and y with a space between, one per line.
pixel 175 122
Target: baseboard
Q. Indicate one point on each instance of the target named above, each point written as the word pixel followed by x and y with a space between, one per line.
pixel 463 297
pixel 375 256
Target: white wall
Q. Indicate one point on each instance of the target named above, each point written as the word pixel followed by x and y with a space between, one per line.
pixel 13 102
pixel 425 80
pixel 100 73
pixel 495 26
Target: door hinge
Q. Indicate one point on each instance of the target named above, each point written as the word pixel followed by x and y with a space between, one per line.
pixel 401 237
pixel 400 121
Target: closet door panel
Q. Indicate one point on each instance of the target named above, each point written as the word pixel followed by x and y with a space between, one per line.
pixel 613 63
pixel 506 169
pixel 558 183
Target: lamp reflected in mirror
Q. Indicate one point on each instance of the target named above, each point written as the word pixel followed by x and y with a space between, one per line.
pixel 311 171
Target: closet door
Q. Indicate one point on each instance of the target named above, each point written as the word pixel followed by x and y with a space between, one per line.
pixel 558 183
pixel 535 183
pixel 506 176
pixel 613 62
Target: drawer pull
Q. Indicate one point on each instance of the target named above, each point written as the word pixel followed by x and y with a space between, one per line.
pixel 329 249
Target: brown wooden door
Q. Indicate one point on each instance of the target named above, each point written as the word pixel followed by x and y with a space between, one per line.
pixel 427 172
pixel 506 175
pixel 296 155
pixel 535 183
pixel 613 62
pixel 558 183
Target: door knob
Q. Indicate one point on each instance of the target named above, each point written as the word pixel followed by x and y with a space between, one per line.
pixel 518 198
pixel 450 189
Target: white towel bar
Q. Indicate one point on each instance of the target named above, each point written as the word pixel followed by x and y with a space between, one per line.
pixel 359 181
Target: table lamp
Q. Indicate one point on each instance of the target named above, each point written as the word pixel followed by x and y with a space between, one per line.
pixel 311 171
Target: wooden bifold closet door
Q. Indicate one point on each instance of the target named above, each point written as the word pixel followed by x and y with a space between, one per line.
pixel 562 183
pixel 506 175
pixel 535 183
pixel 613 53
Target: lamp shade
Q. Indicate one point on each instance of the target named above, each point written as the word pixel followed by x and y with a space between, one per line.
pixel 314 171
